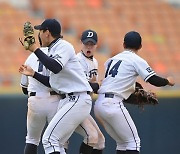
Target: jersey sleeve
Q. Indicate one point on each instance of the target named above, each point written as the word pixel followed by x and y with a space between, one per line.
pixel 63 54
pixel 24 81
pixel 143 69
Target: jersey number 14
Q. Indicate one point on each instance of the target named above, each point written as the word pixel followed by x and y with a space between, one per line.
pixel 114 70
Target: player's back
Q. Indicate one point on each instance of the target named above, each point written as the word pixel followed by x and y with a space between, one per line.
pixel 120 74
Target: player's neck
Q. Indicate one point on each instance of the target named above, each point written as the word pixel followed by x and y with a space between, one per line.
pixel 131 50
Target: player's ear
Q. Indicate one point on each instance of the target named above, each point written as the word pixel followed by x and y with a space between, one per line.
pixel 47 33
pixel 124 45
pixel 140 46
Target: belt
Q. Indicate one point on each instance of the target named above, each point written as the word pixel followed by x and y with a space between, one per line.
pixel 109 95
pixel 70 94
pixel 51 93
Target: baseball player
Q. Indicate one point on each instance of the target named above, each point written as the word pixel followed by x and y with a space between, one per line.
pixel 67 79
pixel 42 103
pixel 118 84
pixel 94 141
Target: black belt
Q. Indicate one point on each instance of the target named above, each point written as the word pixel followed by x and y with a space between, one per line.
pixel 51 93
pixel 70 94
pixel 109 95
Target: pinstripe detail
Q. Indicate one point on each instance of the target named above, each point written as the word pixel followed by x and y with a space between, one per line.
pixel 22 85
pixel 86 134
pixel 129 125
pixel 53 44
pixel 59 121
pixel 147 77
pixel 60 62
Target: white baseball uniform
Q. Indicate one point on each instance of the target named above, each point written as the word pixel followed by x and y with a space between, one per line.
pixel 90 66
pixel 76 105
pixel 42 106
pixel 89 128
pixel 119 82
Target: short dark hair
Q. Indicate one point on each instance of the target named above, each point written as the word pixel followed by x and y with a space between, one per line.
pixel 133 40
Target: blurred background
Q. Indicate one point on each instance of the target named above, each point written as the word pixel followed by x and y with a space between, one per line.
pixel 158 21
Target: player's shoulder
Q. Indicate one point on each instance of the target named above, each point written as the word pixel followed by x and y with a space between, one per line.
pixel 63 42
pixel 95 60
pixel 64 45
pixel 30 58
pixel 131 56
pixel 79 55
pixel 139 59
pixel 81 58
pixel 44 49
pixel 128 57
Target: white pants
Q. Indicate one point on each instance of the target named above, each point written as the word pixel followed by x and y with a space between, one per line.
pixel 117 122
pixel 91 133
pixel 72 111
pixel 41 109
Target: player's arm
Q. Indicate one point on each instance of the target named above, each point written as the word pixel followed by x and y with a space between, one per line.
pixel 147 73
pixel 94 86
pixel 27 70
pixel 48 62
pixel 160 81
pixel 41 78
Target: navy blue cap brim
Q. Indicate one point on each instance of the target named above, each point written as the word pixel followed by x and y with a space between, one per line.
pixel 89 40
pixel 38 27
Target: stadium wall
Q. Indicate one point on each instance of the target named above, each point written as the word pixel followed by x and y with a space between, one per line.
pixel 158 127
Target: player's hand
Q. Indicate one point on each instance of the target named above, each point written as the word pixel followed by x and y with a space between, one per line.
pixel 26 70
pixel 33 47
pixel 171 81
pixel 93 79
pixel 28 42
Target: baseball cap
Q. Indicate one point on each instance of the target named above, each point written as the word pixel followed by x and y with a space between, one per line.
pixel 132 39
pixel 50 24
pixel 89 35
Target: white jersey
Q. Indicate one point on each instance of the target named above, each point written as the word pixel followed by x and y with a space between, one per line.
pixel 71 78
pixel 90 67
pixel 121 73
pixel 31 83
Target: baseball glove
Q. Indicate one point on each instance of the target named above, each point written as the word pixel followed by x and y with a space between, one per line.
pixel 29 38
pixel 142 97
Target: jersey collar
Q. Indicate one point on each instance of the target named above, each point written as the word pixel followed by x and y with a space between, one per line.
pixel 90 58
pixel 53 43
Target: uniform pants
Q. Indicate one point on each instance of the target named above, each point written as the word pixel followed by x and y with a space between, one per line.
pixel 41 109
pixel 117 122
pixel 72 111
